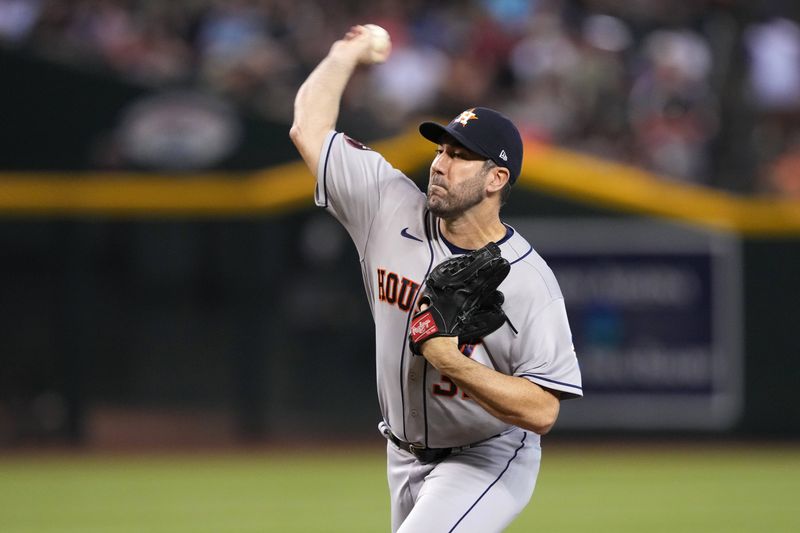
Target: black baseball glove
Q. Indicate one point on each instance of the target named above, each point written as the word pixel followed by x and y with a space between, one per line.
pixel 461 298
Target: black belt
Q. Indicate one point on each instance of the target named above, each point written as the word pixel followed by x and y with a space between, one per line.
pixel 423 454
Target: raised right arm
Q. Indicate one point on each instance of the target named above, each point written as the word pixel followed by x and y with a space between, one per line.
pixel 316 106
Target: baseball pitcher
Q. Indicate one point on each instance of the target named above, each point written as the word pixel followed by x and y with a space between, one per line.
pixel 474 351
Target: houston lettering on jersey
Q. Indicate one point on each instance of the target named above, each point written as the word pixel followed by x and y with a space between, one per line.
pixel 396 290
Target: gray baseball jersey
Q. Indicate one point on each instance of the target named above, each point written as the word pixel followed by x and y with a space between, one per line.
pixel 398 243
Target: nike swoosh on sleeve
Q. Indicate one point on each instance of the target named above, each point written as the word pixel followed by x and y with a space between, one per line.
pixel 404 232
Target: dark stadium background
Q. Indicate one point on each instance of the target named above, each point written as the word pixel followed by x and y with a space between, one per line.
pixel 153 329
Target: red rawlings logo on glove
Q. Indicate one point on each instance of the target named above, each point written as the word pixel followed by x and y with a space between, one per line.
pixel 423 326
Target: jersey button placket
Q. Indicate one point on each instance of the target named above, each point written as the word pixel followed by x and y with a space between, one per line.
pixel 415 414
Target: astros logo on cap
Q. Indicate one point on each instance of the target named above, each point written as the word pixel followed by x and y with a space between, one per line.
pixel 465 117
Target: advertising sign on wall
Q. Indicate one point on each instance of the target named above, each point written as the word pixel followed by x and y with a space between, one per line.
pixel 655 316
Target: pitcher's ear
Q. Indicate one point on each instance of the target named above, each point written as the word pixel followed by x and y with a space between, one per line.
pixel 500 177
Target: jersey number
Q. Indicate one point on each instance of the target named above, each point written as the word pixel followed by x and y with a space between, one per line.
pixel 447 388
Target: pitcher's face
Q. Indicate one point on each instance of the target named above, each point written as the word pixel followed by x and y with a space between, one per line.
pixel 457 182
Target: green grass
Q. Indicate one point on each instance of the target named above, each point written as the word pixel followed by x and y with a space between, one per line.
pixel 680 490
pixel 589 489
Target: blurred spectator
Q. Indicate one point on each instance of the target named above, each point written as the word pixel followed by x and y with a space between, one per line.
pixel 774 76
pixel 783 173
pixel 672 110
pixel 601 82
pixel 773 79
pixel 640 81
pixel 542 63
pixel 409 81
pixel 17 17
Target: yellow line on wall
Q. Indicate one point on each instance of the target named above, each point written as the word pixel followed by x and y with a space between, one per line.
pixel 614 185
pixel 123 194
pixel 126 194
pixel 290 186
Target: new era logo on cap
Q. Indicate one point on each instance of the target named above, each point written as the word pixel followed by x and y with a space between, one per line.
pixel 484 131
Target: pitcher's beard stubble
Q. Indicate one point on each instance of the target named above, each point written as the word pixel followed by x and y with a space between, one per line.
pixel 449 202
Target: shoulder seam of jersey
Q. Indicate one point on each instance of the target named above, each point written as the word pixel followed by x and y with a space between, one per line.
pixel 553 297
pixel 537 376
pixel 523 256
pixel 372 221
pixel 551 302
pixel 325 171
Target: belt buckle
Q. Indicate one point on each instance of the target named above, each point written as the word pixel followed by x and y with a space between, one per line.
pixel 422 453
pixel 428 455
pixel 417 450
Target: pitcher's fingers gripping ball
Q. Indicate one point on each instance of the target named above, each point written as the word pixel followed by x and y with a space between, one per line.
pixel 461 298
pixel 381 43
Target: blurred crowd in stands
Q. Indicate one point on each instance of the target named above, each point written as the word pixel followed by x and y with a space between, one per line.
pixel 705 91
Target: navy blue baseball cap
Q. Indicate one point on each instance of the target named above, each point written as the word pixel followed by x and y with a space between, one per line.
pixel 487 133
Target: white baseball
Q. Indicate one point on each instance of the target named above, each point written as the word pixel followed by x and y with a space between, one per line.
pixel 381 43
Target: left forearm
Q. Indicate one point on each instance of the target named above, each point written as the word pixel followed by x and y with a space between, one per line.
pixel 512 399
